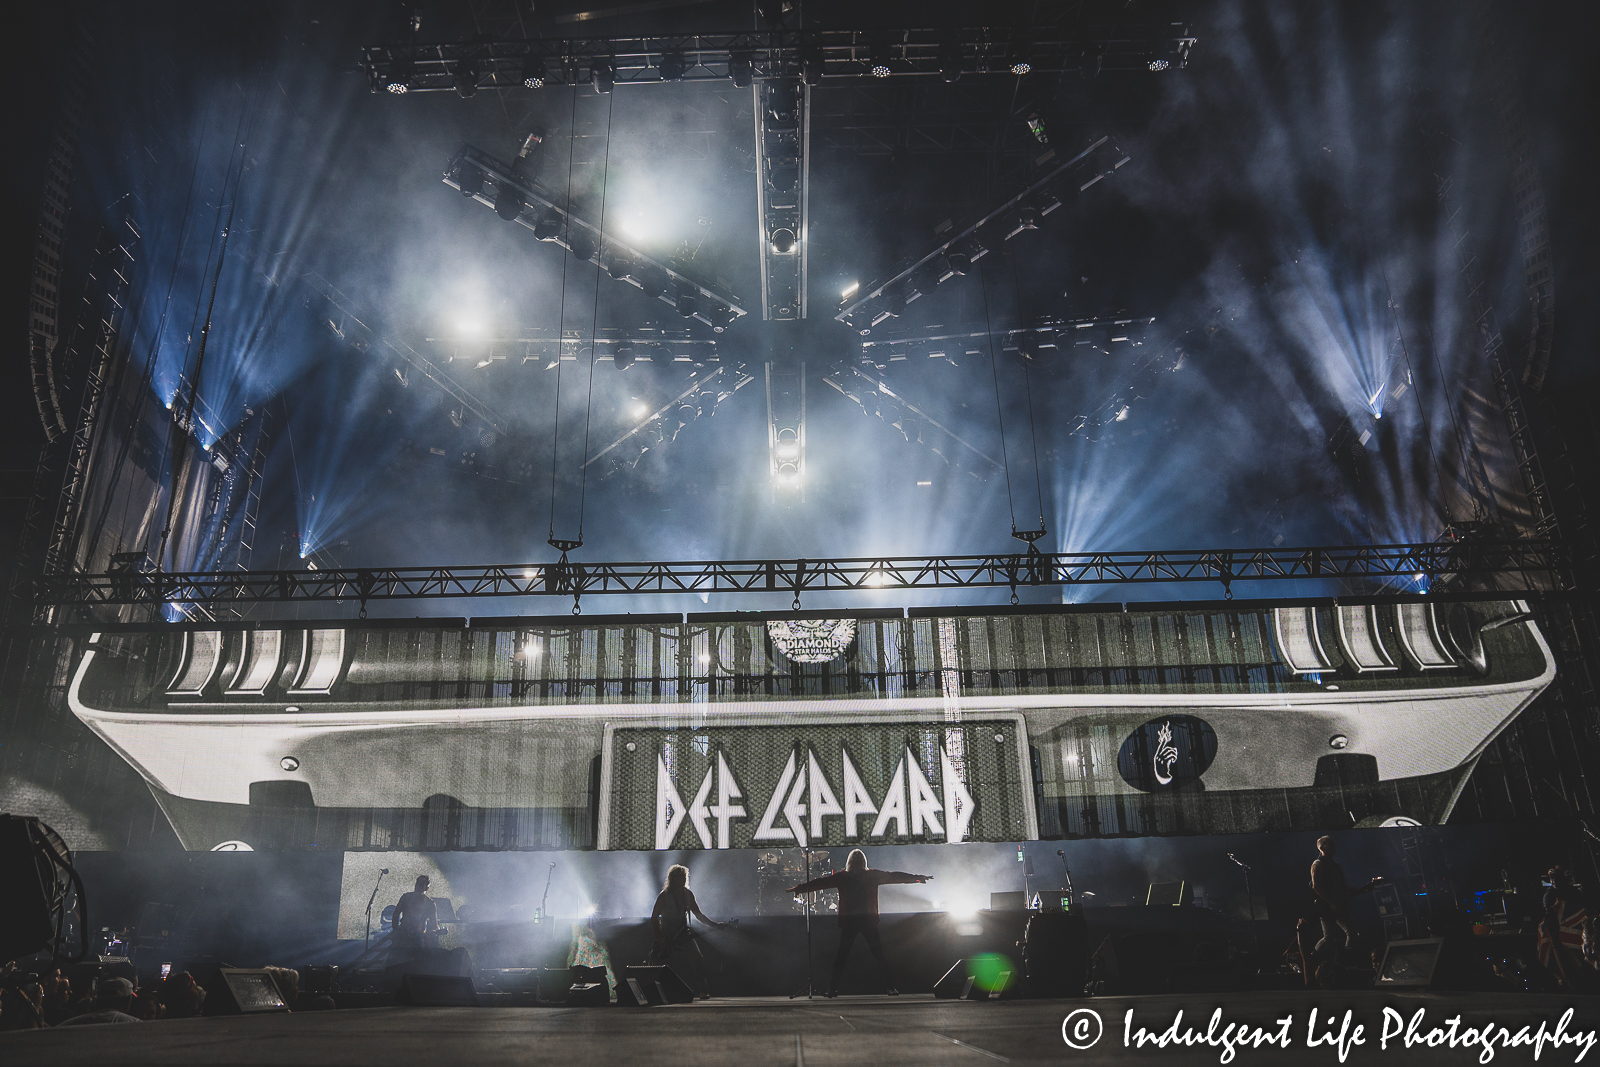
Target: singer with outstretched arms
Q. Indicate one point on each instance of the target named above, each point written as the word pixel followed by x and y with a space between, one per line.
pixel 858 911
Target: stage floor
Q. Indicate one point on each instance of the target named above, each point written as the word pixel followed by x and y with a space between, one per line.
pixel 879 1031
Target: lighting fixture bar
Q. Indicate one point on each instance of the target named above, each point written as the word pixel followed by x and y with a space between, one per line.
pixel 538 203
pixel 1148 49
pixel 1383 563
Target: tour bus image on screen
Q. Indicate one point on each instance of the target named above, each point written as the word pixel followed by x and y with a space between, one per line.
pixel 870 727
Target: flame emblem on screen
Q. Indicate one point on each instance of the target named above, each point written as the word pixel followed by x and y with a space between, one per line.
pixel 1166 754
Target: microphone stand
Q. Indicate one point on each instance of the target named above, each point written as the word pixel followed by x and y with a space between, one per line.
pixel 545 899
pixel 810 988
pixel 1065 873
pixel 1250 901
pixel 370 899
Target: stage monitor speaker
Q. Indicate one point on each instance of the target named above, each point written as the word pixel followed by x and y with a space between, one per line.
pixel 659 984
pixel 1012 901
pixel 1055 954
pixel 1164 894
pixel 959 983
pixel 244 991
pixel 1409 964
pixel 1455 963
pixel 25 891
pixel 437 991
pixel 589 988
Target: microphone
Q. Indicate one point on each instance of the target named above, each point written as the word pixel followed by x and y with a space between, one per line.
pixel 383 870
pixel 1239 861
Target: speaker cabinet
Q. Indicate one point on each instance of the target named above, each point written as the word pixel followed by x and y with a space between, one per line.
pixel 655 984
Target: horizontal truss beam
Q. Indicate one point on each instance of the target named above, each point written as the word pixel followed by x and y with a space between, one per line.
pixel 828 54
pixel 1434 560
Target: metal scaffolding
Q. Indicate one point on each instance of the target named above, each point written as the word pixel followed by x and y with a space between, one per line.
pixel 1534 561
pixel 819 55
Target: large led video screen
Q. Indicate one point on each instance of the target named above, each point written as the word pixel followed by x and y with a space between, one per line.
pixel 764 730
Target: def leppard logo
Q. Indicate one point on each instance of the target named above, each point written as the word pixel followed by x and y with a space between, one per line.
pixel 805 807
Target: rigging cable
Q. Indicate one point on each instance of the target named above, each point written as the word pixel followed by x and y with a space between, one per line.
pixel 1461 438
pixel 150 363
pixel 240 140
pixel 1027 387
pixel 561 320
pixel 1427 434
pixel 594 324
pixel 994 367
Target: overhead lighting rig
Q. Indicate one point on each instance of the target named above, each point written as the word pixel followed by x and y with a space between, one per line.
pixel 1530 560
pixel 870 305
pixel 471 169
pixel 783 165
pixel 748 56
pixel 786 430
pixel 1038 340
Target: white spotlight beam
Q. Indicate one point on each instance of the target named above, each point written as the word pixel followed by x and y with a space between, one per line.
pixel 606 245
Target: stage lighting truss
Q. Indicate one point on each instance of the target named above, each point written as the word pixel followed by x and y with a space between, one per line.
pixel 1532 563
pixel 658 427
pixel 540 212
pixel 786 430
pixel 872 304
pixel 814 55
pixel 542 348
pixel 1043 341
pixel 783 164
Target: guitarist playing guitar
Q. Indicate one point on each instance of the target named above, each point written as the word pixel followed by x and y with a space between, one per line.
pixel 670 921
pixel 1333 898
pixel 416 919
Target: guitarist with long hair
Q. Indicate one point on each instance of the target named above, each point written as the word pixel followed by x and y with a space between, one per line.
pixel 670 922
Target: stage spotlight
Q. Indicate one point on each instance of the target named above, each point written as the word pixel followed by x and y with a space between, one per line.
pixel 470 179
pixel 466 78
pixel 508 201
pixel 1027 219
pixel 811 64
pixel 624 357
pixel 784 177
pixel 741 68
pixel 1021 63
pixel 788 474
pixel 878 56
pixel 720 316
pixel 782 101
pixel 926 278
pixel 688 301
pixel 548 228
pixel 894 300
pixel 653 280
pixel 1158 64
pixel 604 70
pixel 849 290
pixel 956 264
pixel 399 80
pixel 783 240
pixel 950 61
pixel 619 266
pixel 582 245
pixel 639 409
pixel 533 72
pixel 673 67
